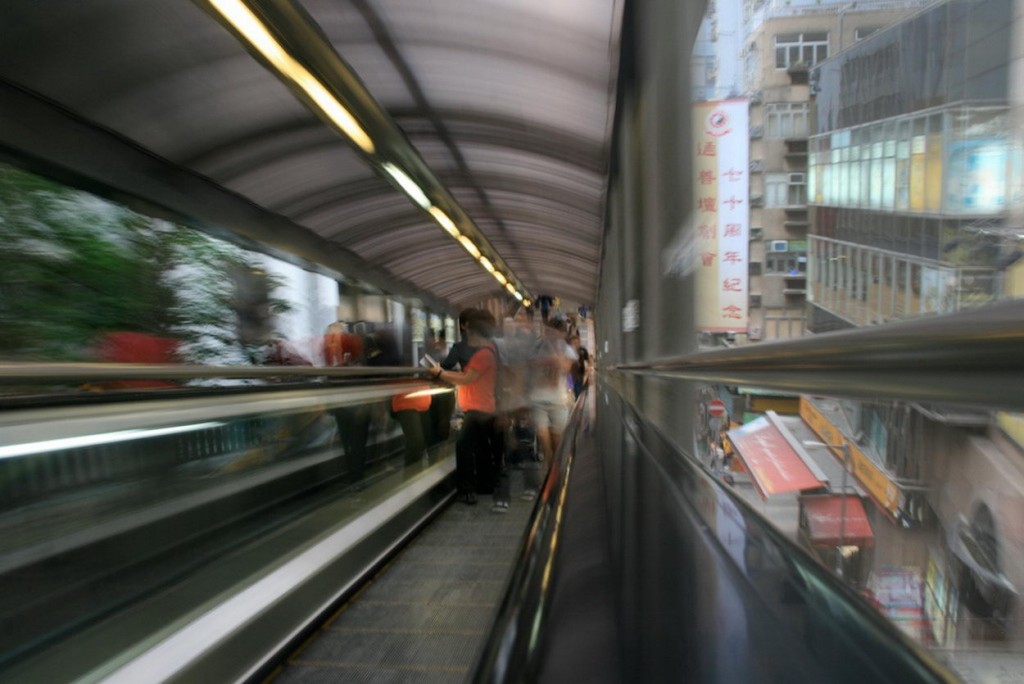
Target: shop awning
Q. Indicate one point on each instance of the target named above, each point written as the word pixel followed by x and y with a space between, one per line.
pixel 774 465
pixel 822 517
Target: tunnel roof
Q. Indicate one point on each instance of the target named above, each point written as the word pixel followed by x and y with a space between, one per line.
pixel 505 105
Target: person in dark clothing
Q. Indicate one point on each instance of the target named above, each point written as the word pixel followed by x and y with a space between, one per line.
pixel 578 371
pixel 545 302
pixel 458 358
pixel 461 352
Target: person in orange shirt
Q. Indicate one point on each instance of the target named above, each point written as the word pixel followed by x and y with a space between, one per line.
pixel 477 456
pixel 342 348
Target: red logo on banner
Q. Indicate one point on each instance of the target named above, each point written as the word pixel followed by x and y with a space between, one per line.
pixel 717 122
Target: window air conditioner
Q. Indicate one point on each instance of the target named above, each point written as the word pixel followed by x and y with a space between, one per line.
pixel 778 246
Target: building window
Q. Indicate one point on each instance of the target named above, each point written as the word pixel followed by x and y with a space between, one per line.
pixel 791 263
pixel 864 31
pixel 786 119
pixel 806 49
pixel 785 189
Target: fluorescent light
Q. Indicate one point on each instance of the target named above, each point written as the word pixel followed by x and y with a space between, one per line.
pixel 486 263
pixel 500 277
pixel 93 440
pixel 517 296
pixel 470 247
pixel 408 184
pixel 511 288
pixel 253 30
pixel 445 222
pixel 526 303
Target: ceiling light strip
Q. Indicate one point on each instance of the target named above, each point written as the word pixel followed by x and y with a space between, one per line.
pixel 445 222
pixel 408 185
pixel 257 35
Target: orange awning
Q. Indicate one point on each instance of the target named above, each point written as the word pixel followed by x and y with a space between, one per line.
pixel 773 464
pixel 823 517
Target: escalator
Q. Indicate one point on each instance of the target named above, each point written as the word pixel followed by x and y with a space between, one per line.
pixel 423 616
pixel 131 527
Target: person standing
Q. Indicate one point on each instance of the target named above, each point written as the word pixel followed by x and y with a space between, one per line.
pixel 476 449
pixel 552 359
pixel 343 348
pixel 578 372
pixel 458 355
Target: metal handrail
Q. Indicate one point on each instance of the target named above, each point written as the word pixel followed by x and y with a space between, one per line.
pixel 509 654
pixel 518 641
pixel 971 358
pixel 79 372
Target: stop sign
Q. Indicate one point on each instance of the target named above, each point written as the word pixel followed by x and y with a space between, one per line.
pixel 716 408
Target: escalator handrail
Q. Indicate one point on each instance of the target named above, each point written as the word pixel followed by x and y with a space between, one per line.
pixel 80 372
pixel 512 651
pixel 968 358
pixel 508 653
pixel 988 338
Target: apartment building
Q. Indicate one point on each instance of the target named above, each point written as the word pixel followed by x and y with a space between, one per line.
pixel 783 42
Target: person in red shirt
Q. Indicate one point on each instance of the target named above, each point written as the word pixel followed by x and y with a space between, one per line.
pixel 340 347
pixel 477 455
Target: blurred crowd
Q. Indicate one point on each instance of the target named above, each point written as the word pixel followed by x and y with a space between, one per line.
pixel 514 386
pixel 514 391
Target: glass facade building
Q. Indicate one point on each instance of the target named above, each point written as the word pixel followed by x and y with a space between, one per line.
pixel 909 168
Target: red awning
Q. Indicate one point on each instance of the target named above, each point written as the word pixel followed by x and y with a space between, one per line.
pixel 773 464
pixel 822 517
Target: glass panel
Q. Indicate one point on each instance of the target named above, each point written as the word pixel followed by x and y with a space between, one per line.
pixel 162 503
pixel 889 183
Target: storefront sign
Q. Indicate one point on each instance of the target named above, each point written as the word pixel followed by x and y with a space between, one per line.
pixel 873 478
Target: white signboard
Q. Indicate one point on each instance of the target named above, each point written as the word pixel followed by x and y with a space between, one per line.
pixel 722 197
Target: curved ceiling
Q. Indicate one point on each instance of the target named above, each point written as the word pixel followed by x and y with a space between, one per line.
pixel 507 103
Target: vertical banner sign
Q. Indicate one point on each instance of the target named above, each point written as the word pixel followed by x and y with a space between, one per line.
pixel 722 200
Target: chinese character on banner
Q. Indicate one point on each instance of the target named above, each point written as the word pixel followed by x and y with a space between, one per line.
pixel 732 258
pixel 707 258
pixel 707 177
pixel 733 174
pixel 732 285
pixel 732 230
pixel 707 204
pixel 708 149
pixel 732 202
pixel 706 232
pixel 732 311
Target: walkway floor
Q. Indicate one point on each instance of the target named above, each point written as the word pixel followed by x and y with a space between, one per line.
pixel 424 616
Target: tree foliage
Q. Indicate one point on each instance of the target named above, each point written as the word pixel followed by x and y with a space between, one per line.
pixel 75 266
